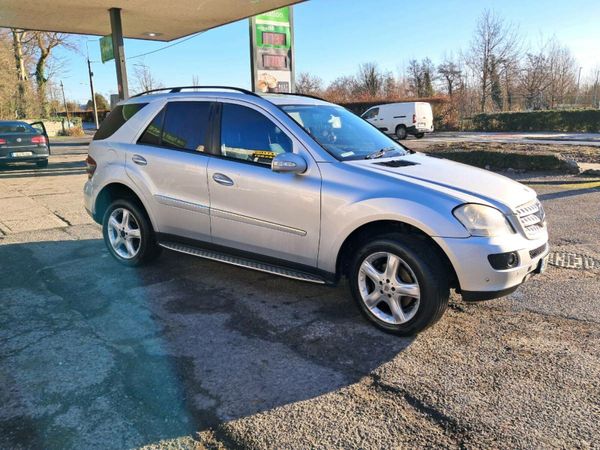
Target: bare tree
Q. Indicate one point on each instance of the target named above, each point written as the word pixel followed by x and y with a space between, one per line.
pixel 451 75
pixel 45 43
pixel 309 84
pixel 420 77
pixel 143 78
pixel 370 79
pixel 341 90
pixel 415 77
pixel 562 68
pixel 493 47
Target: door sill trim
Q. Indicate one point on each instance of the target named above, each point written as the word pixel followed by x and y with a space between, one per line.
pixel 244 261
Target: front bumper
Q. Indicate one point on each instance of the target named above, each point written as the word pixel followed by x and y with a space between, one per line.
pixel 477 279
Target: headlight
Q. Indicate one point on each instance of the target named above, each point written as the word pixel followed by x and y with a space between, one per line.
pixel 481 220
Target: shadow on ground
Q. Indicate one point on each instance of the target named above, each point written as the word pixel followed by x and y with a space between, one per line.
pixel 95 354
pixel 27 170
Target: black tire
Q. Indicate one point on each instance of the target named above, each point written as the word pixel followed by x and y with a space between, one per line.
pixel 431 275
pixel 148 249
pixel 401 132
pixel 419 135
pixel 42 164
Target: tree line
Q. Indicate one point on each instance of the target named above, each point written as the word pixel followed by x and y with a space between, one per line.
pixel 496 72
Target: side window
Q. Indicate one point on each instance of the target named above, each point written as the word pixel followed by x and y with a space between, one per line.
pixel 116 119
pixel 180 125
pixel 152 134
pixel 371 113
pixel 248 135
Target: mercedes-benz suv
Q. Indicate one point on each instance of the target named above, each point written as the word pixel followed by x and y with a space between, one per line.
pixel 302 188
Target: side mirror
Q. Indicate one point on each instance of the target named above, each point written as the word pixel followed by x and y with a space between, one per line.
pixel 289 162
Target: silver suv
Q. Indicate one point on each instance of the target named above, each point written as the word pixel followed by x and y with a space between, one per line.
pixel 302 188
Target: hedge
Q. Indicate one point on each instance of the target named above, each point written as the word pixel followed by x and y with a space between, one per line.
pixel 509 160
pixel 582 120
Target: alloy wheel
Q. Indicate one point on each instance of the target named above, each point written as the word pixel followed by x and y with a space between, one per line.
pixel 389 288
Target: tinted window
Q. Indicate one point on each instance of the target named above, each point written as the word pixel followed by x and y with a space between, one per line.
pixel 248 135
pixel 16 127
pixel 152 134
pixel 185 125
pixel 117 117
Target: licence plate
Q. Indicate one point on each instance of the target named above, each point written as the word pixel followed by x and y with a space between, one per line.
pixel 17 154
pixel 542 265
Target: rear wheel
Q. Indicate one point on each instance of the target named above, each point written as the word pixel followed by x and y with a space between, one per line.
pixel 42 164
pixel 399 284
pixel 401 132
pixel 419 135
pixel 128 233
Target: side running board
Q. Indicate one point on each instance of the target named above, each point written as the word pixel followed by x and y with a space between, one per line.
pixel 243 262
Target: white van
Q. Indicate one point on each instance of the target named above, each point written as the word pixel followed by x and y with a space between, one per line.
pixel 401 119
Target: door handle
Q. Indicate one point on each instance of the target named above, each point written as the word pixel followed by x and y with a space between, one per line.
pixel 139 160
pixel 222 179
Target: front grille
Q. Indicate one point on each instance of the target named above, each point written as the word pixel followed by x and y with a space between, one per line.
pixel 537 251
pixel 532 218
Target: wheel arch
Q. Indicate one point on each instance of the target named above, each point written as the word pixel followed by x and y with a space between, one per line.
pixel 371 230
pixel 115 190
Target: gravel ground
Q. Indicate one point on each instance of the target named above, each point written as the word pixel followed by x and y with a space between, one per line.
pixel 189 353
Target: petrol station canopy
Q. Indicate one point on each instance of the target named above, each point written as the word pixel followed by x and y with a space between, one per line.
pixel 162 20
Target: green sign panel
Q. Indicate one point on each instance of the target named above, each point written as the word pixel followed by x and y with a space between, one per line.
pixel 271 35
pixel 106 48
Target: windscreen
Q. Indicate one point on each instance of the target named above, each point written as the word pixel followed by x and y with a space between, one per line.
pixel 343 134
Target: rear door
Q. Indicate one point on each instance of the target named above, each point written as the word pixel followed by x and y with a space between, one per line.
pixel 169 163
pixel 253 208
pixel 424 116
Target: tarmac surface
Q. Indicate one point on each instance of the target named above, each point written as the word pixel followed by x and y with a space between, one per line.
pixel 189 353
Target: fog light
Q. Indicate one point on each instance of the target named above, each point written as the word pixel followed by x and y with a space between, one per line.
pixel 503 261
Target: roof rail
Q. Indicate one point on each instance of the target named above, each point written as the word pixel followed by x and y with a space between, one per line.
pixel 297 94
pixel 231 88
pixel 180 88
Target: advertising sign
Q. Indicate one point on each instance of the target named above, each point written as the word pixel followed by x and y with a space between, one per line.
pixel 271 51
pixel 106 48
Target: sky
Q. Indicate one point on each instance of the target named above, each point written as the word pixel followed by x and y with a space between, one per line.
pixel 332 37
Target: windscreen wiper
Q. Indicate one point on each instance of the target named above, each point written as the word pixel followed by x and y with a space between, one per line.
pixel 380 153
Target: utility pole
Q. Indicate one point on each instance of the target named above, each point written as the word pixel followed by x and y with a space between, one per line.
pixel 65 103
pixel 93 94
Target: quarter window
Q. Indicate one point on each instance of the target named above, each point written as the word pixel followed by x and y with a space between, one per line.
pixel 152 134
pixel 116 119
pixel 248 135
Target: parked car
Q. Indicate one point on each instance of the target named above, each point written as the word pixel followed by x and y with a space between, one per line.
pixel 24 142
pixel 402 119
pixel 302 188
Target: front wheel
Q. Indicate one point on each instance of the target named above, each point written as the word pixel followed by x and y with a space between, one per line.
pixel 399 284
pixel 128 233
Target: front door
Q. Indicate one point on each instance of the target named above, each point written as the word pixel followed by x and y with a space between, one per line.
pixel 169 163
pixel 253 208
